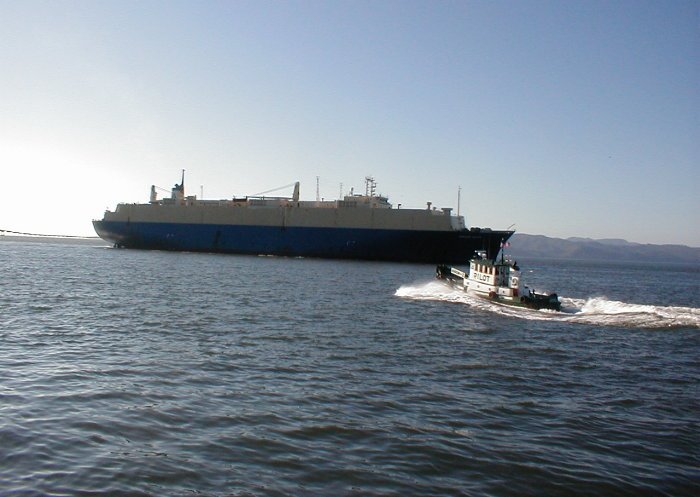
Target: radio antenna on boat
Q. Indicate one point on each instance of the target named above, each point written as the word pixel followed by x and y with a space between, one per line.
pixel 318 193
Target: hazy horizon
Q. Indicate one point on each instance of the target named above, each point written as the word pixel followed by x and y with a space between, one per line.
pixel 18 234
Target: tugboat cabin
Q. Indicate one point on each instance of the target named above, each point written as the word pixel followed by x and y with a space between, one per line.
pixel 500 278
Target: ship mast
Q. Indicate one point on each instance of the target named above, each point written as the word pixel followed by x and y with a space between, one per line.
pixel 370 186
pixel 178 191
pixel 459 199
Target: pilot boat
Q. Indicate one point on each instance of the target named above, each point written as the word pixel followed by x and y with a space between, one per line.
pixel 498 281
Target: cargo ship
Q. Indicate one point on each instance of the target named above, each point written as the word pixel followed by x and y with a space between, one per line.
pixel 360 226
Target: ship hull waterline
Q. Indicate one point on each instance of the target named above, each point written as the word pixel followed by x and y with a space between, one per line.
pixel 447 247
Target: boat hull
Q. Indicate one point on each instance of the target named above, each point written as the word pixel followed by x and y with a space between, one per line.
pixel 550 302
pixel 326 242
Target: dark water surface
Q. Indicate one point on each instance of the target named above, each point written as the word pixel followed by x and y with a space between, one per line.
pixel 150 373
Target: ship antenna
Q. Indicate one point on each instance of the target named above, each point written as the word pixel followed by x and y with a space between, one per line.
pixel 182 184
pixel 318 193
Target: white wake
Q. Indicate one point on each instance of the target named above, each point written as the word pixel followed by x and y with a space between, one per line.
pixel 594 310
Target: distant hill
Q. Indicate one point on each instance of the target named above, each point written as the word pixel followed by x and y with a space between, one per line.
pixel 612 249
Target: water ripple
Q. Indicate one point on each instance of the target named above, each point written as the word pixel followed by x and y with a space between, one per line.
pixel 147 373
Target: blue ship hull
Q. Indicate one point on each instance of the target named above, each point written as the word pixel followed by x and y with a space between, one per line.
pixel 445 247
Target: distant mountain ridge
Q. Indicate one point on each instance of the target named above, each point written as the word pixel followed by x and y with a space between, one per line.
pixel 609 249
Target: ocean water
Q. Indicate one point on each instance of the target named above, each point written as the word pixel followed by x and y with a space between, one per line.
pixel 127 372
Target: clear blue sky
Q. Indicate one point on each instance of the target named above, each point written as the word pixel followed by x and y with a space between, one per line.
pixel 565 118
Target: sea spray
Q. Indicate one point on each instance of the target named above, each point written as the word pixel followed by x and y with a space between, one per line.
pixel 597 310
